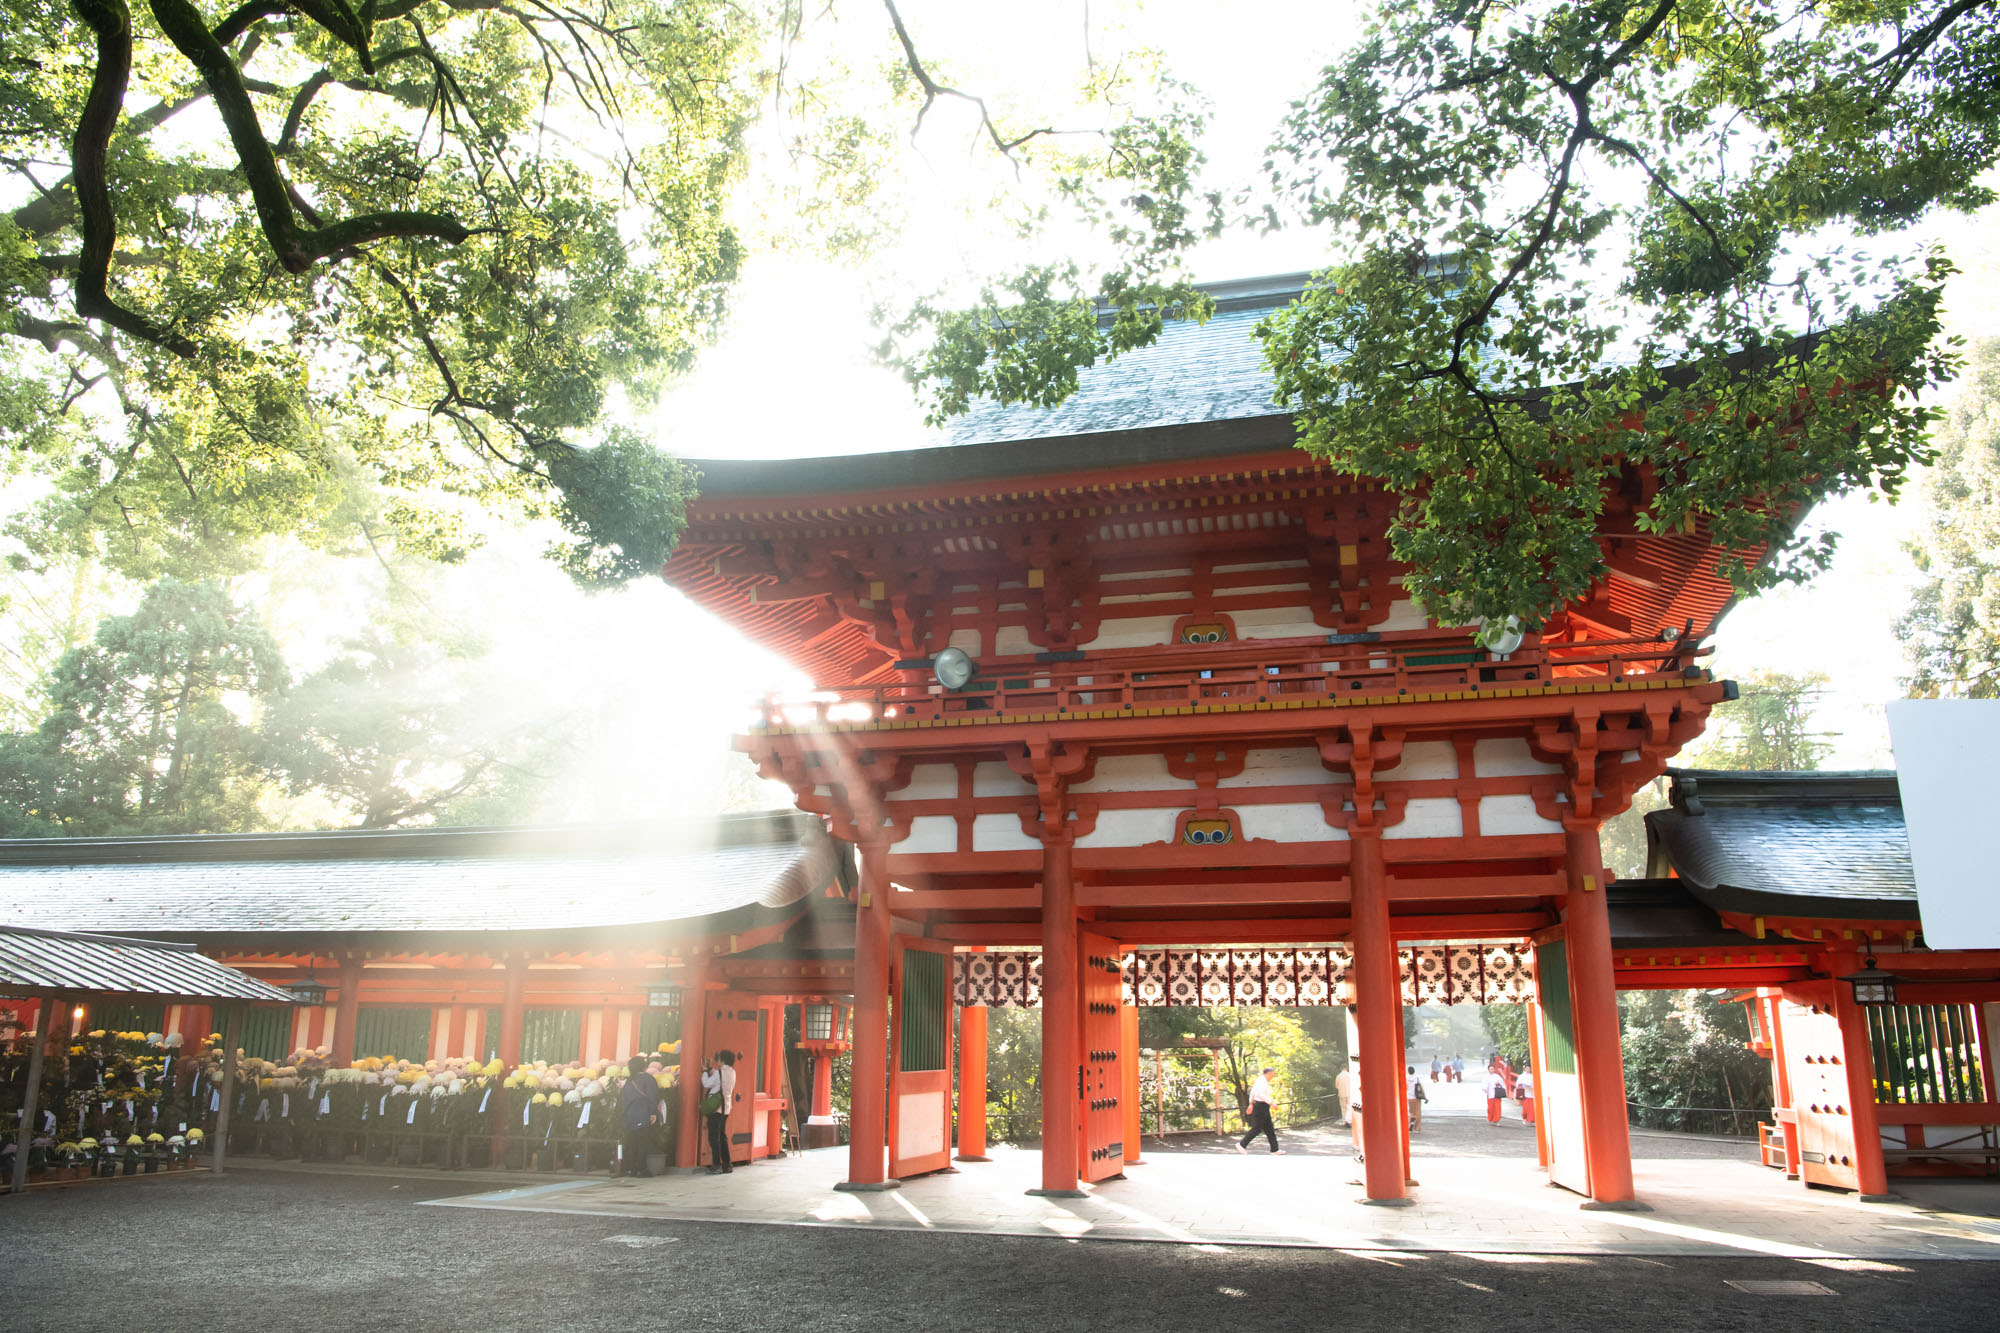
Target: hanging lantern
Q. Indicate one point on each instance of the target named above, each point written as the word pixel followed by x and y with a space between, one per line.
pixel 825 1026
pixel 307 992
pixel 1872 986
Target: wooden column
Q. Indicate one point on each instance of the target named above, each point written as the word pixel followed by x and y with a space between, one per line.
pixel 232 1036
pixel 347 1012
pixel 1593 989
pixel 687 1085
pixel 1062 1019
pixel 1128 1079
pixel 1871 1174
pixel 30 1096
pixel 868 1091
pixel 972 1083
pixel 822 1093
pixel 513 985
pixel 1378 1014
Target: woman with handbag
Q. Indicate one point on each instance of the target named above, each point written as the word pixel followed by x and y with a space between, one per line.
pixel 718 1086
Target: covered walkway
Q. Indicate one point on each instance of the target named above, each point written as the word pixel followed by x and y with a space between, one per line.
pixel 1472 1199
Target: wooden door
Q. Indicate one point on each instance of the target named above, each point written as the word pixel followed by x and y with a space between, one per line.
pixel 920 1057
pixel 732 1026
pixel 1101 1155
pixel 1558 1095
pixel 1816 1069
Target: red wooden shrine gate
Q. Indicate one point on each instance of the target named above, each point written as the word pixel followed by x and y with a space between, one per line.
pixel 1101 1117
pixel 920 1065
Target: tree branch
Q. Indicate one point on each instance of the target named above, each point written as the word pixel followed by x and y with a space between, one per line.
pixel 933 90
pixel 297 248
pixel 111 21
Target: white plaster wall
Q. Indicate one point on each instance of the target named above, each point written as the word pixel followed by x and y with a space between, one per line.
pixel 1283 768
pixel 1130 828
pixel 1287 823
pixel 1013 641
pixel 931 833
pixel 930 782
pixel 1431 817
pixel 1404 613
pixel 1261 564
pixel 1275 622
pixel 994 779
pixel 1424 761
pixel 1131 772
pixel 1506 757
pixel 1501 816
pixel 1000 833
pixel 967 639
pixel 1134 575
pixel 1138 632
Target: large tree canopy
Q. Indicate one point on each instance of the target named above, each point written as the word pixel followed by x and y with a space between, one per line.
pixel 433 238
pixel 1951 631
pixel 1593 244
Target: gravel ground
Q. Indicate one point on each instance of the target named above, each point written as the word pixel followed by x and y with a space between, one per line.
pixel 256 1251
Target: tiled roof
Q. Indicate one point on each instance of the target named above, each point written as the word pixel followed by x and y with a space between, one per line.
pixel 48 960
pixel 1801 844
pixel 1194 373
pixel 451 881
pixel 1662 914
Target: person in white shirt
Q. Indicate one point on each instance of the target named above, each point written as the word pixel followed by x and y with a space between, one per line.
pixel 1417 1098
pixel 718 1076
pixel 1260 1113
pixel 1496 1095
pixel 1524 1088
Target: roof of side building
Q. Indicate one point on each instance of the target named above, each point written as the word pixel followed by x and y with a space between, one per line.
pixel 423 882
pixel 1790 844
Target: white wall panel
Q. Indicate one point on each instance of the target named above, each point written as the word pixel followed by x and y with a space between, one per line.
pixel 1283 768
pixel 1423 761
pixel 1431 817
pixel 1509 816
pixel 1507 757
pixel 1130 772
pixel 930 833
pixel 1287 823
pixel 1130 828
pixel 1000 833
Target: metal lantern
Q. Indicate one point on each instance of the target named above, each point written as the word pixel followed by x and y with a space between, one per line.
pixel 1872 986
pixel 307 992
pixel 664 997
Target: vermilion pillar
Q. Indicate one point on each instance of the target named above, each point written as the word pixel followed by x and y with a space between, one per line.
pixel 867 1117
pixel 507 1045
pixel 1128 1078
pixel 1062 1020
pixel 1593 990
pixel 346 1012
pixel 822 1103
pixel 972 1083
pixel 687 1085
pixel 1870 1173
pixel 1378 1014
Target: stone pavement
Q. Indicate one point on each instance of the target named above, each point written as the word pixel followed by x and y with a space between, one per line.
pixel 1481 1192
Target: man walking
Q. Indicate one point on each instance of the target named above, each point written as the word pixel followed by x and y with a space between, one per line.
pixel 1260 1113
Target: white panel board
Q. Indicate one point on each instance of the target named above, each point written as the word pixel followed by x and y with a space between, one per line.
pixel 931 833
pixel 1130 828
pixel 1944 765
pixel 1288 823
pixel 1001 833
pixel 919 1124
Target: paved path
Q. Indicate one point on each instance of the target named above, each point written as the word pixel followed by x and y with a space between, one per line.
pixel 1471 1199
pixel 264 1250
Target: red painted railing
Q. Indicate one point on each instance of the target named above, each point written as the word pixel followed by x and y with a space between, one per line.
pixel 1236 674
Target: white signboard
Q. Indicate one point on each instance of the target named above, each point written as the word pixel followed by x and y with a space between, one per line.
pixel 1948 766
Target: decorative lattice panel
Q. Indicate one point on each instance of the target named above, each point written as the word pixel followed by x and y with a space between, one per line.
pixel 1252 978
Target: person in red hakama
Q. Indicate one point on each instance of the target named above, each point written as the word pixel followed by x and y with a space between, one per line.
pixel 1524 1089
pixel 1496 1096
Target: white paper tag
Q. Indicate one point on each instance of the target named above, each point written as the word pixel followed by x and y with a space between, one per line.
pixel 383 1109
pixel 285 1109
pixel 525 1108
pixel 325 1103
pixel 584 1119
pixel 484 1098
pixel 411 1118
pixel 214 1099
